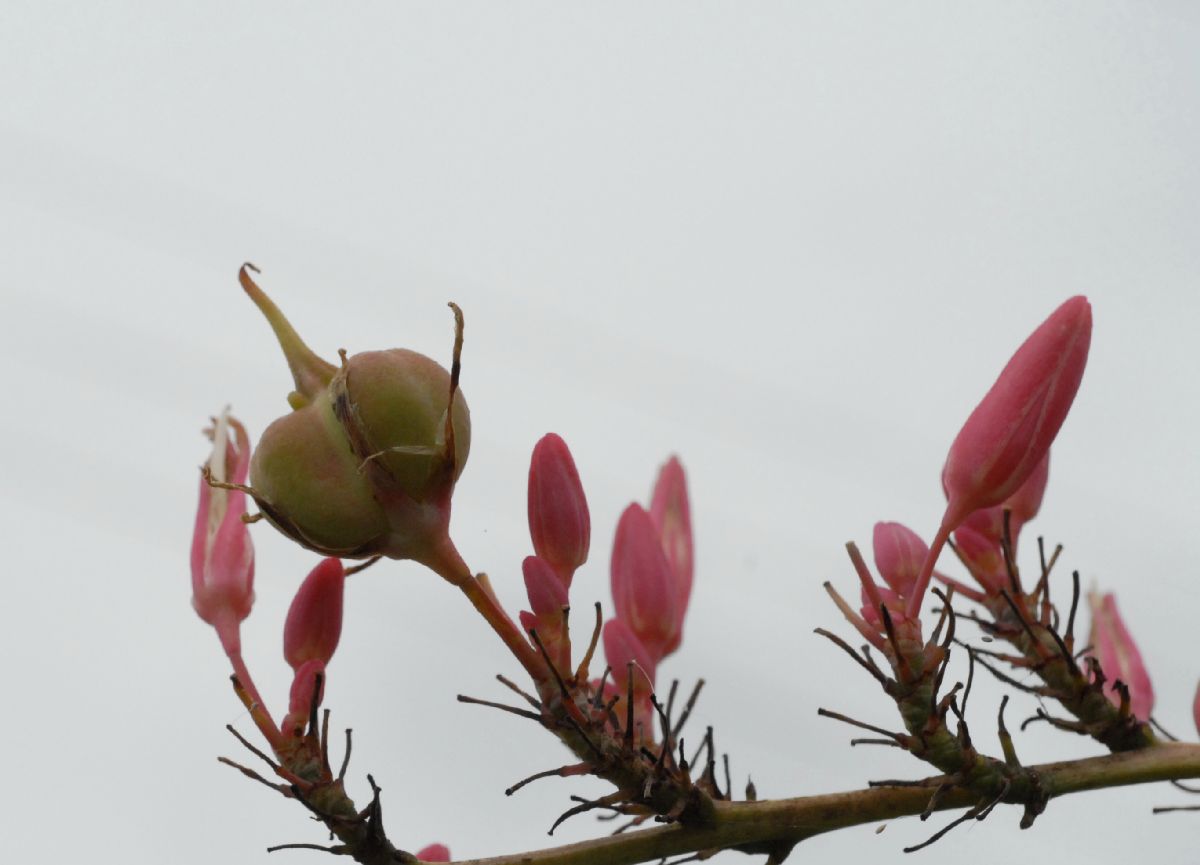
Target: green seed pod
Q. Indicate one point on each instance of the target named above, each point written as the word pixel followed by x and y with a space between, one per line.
pixel 366 462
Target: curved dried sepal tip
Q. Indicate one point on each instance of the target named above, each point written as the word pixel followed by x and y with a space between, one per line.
pixel 449 454
pixel 311 374
pixel 870 634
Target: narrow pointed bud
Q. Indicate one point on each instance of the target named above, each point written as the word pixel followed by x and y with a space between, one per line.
pixel 222 555
pixel 367 462
pixel 1010 431
pixel 671 514
pixel 643 585
pixel 1012 428
pixel 434 853
pixel 314 620
pixel 1120 660
pixel 899 553
pixel 559 523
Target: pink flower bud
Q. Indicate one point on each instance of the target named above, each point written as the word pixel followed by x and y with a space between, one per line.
pixel 222 554
pixel 899 554
pixel 672 517
pixel 643 585
pixel 434 853
pixel 559 523
pixel 314 621
pixel 1120 660
pixel 1010 431
pixel 1012 428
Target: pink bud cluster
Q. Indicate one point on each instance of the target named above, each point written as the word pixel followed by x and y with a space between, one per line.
pixel 651 571
pixel 561 529
pixel 1008 435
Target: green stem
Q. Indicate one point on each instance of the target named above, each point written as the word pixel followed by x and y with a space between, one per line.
pixel 762 826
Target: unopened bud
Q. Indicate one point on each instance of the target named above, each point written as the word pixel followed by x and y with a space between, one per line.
pixel 643 586
pixel 314 620
pixel 671 514
pixel 899 553
pixel 434 853
pixel 559 523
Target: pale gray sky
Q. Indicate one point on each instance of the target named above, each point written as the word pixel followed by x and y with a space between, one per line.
pixel 792 242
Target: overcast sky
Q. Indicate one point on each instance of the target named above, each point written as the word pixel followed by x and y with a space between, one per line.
pixel 791 242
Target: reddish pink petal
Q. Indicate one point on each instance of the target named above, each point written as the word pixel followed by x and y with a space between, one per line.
pixel 1114 648
pixel 671 514
pixel 559 523
pixel 314 621
pixel 621 646
pixel 434 853
pixel 643 585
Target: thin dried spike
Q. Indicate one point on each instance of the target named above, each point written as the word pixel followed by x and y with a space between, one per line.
pixel 938 835
pixel 1008 658
pixel 1014 576
pixel 728 782
pixel 1164 809
pixel 285 789
pixel 629 705
pixel 314 704
pixel 970 679
pixel 1010 681
pixel 845 647
pixel 1053 559
pixel 589 805
pixel 889 742
pixel 581 672
pixel 1123 692
pixel 1184 787
pixel 251 748
pixel 671 703
pixel 703 743
pixel 362 566
pixel 660 759
pixel 455 372
pixel 845 719
pixel 610 715
pixel 711 768
pixel 869 633
pixel 1057 723
pixel 1042 557
pixel 939 792
pixel 947 610
pixel 1063 650
pixel 346 757
pixel 336 849
pixel 905 670
pixel 560 772
pixel 1005 786
pixel 475 701
pixel 562 686
pixel 1006 742
pixel 687 708
pixel 865 648
pixel 516 689
pixel 1020 614
pixel 598 700
pixel 1070 635
pixel 1159 727
pixel 325 742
